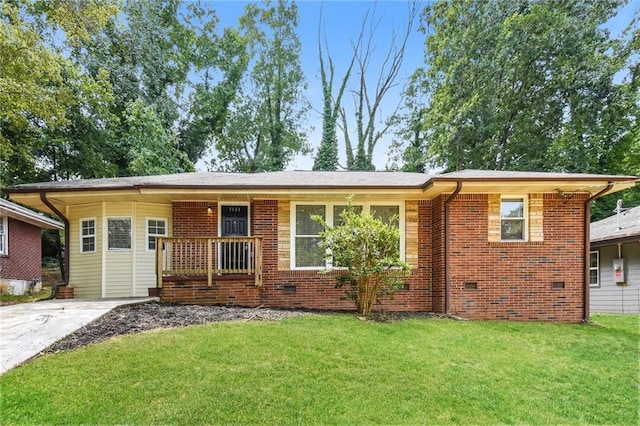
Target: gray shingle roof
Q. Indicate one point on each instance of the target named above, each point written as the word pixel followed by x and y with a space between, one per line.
pixel 497 174
pixel 7 208
pixel 285 179
pixel 299 179
pixel 607 229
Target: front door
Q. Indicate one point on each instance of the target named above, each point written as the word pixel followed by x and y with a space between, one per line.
pixel 234 222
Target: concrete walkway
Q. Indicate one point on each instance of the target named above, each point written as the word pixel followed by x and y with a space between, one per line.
pixel 26 329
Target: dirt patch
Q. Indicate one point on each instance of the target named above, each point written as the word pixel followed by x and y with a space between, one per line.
pixel 132 319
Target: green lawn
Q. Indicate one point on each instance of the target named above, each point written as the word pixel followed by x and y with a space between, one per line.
pixel 336 369
pixel 8 299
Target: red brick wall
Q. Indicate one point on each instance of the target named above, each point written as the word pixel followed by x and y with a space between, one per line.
pixel 230 292
pixel 24 258
pixel 438 257
pixel 514 280
pixel 313 290
pixel 191 219
pixel 288 289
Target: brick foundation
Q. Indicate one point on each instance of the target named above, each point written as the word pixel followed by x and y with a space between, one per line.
pixel 65 292
pixel 229 291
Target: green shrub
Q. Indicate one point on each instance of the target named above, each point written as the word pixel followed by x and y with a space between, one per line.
pixel 369 250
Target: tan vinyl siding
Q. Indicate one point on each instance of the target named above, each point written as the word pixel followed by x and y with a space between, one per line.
pixel 85 269
pixel 145 259
pixel 494 217
pixel 284 235
pixel 411 232
pixel 119 263
pixel 536 208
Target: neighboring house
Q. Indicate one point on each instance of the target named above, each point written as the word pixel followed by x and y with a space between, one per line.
pixel 481 244
pixel 615 263
pixel 21 247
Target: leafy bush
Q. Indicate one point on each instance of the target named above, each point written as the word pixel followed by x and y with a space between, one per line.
pixel 369 252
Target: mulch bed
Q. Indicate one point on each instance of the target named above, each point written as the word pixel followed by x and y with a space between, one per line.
pixel 130 319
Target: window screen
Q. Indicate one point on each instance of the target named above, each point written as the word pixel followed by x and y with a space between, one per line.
pixel 119 233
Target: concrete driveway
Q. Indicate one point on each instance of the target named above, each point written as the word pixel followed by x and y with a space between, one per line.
pixel 27 329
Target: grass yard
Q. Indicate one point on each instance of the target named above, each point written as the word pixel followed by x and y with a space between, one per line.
pixel 336 369
pixel 9 299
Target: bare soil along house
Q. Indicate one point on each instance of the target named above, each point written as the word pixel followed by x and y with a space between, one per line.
pixel 481 244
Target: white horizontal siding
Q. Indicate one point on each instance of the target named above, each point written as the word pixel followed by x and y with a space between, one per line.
pixel 613 298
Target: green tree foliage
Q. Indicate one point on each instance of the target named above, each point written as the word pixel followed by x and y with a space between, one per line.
pixel 39 84
pixel 152 148
pixel 264 132
pixel 527 85
pixel 219 63
pixel 370 251
pixel 73 72
pixel 146 53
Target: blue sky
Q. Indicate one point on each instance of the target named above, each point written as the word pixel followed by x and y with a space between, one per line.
pixel 342 21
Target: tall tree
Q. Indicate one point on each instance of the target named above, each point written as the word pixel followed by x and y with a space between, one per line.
pixel 146 52
pixel 38 82
pixel 327 156
pixel 219 64
pixel 152 148
pixel 265 130
pixel 367 99
pixel 527 85
pixel 625 160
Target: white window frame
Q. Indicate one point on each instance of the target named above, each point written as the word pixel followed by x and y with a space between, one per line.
pixel 4 236
pixel 149 234
pixel 596 268
pixel 366 207
pixel 525 218
pixel 109 248
pixel 94 235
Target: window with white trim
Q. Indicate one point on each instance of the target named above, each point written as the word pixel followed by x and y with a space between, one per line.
pixel 87 235
pixel 306 252
pixel 155 228
pixel 513 225
pixel 4 232
pixel 119 233
pixel 594 268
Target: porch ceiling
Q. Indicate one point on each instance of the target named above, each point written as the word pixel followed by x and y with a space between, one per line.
pixel 521 187
pixel 167 196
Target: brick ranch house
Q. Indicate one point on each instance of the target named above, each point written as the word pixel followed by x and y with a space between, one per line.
pixel 481 244
pixel 21 247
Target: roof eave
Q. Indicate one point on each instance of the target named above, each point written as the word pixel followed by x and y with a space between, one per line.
pixel 609 240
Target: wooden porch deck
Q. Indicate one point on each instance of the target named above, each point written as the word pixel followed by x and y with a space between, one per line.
pixel 208 256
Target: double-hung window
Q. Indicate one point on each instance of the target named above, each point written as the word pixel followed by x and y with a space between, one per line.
pixel 594 268
pixel 87 235
pixel 155 228
pixel 513 225
pixel 3 235
pixel 119 229
pixel 306 251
